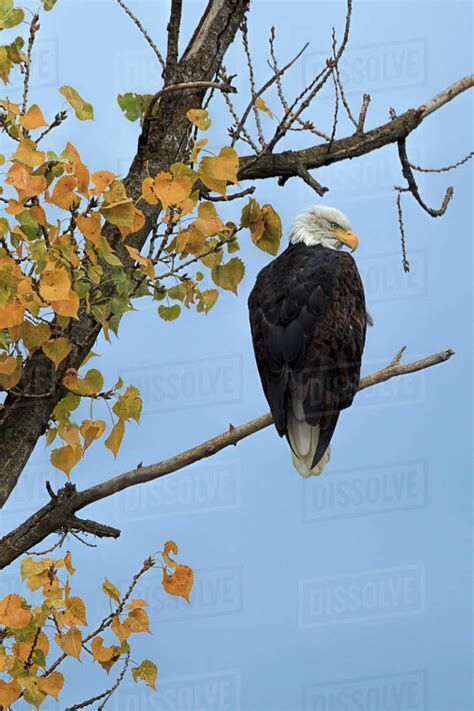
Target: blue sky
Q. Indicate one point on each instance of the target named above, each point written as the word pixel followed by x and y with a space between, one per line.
pixel 352 590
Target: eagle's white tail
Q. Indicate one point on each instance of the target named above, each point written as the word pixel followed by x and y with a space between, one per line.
pixel 304 441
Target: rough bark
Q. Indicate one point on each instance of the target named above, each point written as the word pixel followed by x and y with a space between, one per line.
pixel 162 142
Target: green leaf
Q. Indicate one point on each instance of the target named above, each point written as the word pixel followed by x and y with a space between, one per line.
pixel 48 4
pixel 133 105
pixel 228 276
pixel 147 671
pixel 169 313
pixel 82 109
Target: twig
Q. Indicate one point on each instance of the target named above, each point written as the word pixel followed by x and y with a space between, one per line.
pixel 306 176
pixel 245 135
pixel 232 196
pixel 339 84
pixel 413 187
pixel 405 262
pixel 144 32
pixel 187 86
pixel 34 27
pixel 447 95
pixel 445 169
pixel 57 121
pixel 251 105
pixel 245 41
pixel 363 113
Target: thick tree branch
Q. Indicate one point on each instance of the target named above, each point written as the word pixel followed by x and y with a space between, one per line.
pixel 24 419
pixel 63 507
pixel 288 163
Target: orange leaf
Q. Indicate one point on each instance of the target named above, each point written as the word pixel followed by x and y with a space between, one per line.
pixel 90 227
pixel 171 190
pixel 180 582
pixel 67 307
pixel 33 118
pixel 102 179
pixel 63 193
pixel 170 547
pixel 12 613
pixel 91 430
pixel 9 692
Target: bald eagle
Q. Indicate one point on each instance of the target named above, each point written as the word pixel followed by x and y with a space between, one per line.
pixel 308 321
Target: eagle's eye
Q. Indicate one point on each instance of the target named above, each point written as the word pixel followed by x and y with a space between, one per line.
pixel 334 226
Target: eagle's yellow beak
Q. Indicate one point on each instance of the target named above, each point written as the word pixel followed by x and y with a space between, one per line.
pixel 348 238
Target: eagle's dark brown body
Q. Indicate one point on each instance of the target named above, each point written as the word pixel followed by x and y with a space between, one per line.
pixel 308 321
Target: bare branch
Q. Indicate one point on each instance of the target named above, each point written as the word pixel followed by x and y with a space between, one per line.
pixel 413 187
pixel 447 95
pixel 105 694
pixel 286 163
pixel 405 262
pixel 245 41
pixel 363 113
pixel 188 86
pixel 446 169
pixel 137 22
pixel 52 516
pixel 34 27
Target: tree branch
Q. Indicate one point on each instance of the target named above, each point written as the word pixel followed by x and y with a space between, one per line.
pixel 287 163
pixel 55 515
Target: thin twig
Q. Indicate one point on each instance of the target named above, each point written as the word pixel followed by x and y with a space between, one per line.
pixel 413 187
pixel 245 41
pixel 445 169
pixel 363 113
pixel 187 86
pixel 137 22
pixel 34 27
pixel 405 262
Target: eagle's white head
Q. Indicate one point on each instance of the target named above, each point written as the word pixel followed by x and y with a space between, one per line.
pixel 321 224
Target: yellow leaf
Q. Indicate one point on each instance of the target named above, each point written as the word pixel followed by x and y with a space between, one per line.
pixel 200 118
pixel 28 154
pixel 101 653
pixel 208 221
pixel 147 672
pixel 9 692
pixel 180 582
pixel 136 604
pixel 137 621
pixel 55 283
pixel 114 439
pixel 11 314
pixel 110 590
pixel 228 276
pixel 76 611
pixel 171 190
pixel 70 642
pixel 33 118
pixel 57 349
pixel 69 567
pixel 82 109
pixel 65 458
pixel 216 172
pixel 67 307
pixel 91 430
pixel 206 300
pixel 51 684
pixel 261 106
pixel 12 612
